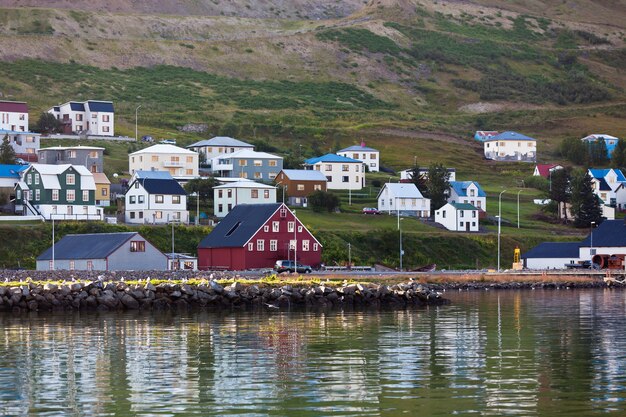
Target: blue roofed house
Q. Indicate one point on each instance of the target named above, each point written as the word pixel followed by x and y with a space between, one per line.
pixel 609 185
pixel 102 252
pixel 369 156
pixel 9 177
pixel 468 192
pixel 155 197
pixel 609 141
pixel 341 172
pixel 92 117
pixel 510 146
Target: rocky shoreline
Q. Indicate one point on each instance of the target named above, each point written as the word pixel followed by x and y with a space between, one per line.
pixel 119 296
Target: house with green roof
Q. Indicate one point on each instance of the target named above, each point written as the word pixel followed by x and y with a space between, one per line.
pixel 458 217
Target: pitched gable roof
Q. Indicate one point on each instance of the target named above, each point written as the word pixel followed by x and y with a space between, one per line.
pixel 87 246
pixel 304 175
pixel 100 106
pixel 331 157
pixel 361 148
pixel 509 136
pixel 402 190
pixel 463 206
pixel 50 175
pixel 610 233
pixel 160 186
pixel 554 250
pixel 599 173
pixel 221 141
pixel 11 171
pixel 239 225
pixel 164 148
pixel 544 169
pixel 460 188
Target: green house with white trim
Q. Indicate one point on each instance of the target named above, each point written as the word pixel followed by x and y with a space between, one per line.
pixel 62 192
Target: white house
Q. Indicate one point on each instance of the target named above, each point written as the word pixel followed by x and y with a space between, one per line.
pixel 545 170
pixel 342 173
pixel 218 145
pixel 92 117
pixel 608 185
pixel 407 174
pixel 25 144
pixel 552 255
pixel 403 197
pixel 369 156
pixel 510 146
pixel 155 197
pixel 13 116
pixel 458 217
pixel 182 164
pixel 227 196
pixel 468 192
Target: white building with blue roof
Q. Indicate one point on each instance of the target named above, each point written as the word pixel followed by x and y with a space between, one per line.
pixel 609 185
pixel 468 192
pixel 341 172
pixel 91 117
pixel 511 146
pixel 369 156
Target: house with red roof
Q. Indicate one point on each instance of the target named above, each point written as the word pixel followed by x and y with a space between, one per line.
pixel 544 170
pixel 256 236
pixel 14 116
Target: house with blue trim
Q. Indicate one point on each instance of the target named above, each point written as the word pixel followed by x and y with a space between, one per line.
pixel 609 185
pixel 342 173
pixel 468 192
pixel 609 141
pixel 510 147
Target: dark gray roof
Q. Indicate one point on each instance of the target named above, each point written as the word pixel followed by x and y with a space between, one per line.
pixel 100 106
pixel 161 186
pixel 239 225
pixel 87 246
pixel 77 106
pixel 554 250
pixel 610 233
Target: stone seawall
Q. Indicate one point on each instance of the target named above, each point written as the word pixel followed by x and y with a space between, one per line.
pixel 111 296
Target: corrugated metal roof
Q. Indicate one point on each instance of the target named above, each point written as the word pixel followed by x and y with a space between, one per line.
pixel 161 186
pixel 249 154
pixel 331 157
pixel 358 148
pixel 460 187
pixel 568 250
pixel 304 175
pixel 14 106
pixel 509 136
pixel 402 190
pixel 11 171
pixel 239 225
pixel 164 148
pixel 610 233
pixel 221 141
pixel 162 175
pixel 87 246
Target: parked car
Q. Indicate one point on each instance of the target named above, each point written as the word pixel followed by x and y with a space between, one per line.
pixel 288 266
pixel 169 141
pixel 147 138
pixel 370 210
pixel 20 161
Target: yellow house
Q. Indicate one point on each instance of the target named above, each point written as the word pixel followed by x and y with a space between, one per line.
pixel 103 189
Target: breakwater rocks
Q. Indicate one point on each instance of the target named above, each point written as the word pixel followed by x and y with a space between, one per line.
pixel 108 296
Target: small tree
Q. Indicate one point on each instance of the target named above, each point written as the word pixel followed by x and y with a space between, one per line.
pixel 438 185
pixel 7 153
pixel 586 206
pixel 598 153
pixel 323 200
pixel 574 150
pixel 559 189
pixel 618 158
pixel 419 179
pixel 48 123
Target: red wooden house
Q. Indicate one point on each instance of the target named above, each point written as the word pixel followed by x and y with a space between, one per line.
pixel 256 236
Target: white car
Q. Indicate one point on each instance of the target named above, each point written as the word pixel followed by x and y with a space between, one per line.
pixel 169 141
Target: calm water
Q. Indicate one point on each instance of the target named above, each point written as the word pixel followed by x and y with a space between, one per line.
pixel 510 353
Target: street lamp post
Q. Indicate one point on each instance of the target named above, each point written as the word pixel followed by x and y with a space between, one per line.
pixel 518 208
pixel 591 248
pixel 52 217
pixel 349 255
pixel 401 250
pixel 197 195
pixel 499 224
pixel 136 114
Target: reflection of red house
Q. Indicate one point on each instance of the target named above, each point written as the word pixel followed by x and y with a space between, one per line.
pixel 256 236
